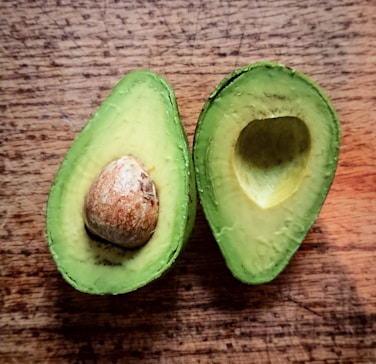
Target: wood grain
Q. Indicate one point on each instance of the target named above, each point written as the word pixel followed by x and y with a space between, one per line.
pixel 60 59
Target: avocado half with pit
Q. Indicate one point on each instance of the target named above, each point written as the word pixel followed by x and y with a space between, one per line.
pixel 122 205
pixel 265 153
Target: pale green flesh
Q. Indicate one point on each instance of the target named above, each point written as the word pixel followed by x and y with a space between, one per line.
pixel 138 118
pixel 265 152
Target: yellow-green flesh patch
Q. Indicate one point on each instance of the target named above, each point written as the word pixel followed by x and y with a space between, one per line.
pixel 138 119
pixel 270 158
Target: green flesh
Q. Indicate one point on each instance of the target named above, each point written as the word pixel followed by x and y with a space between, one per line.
pixel 265 151
pixel 139 118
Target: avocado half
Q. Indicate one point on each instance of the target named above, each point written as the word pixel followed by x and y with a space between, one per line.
pixel 139 118
pixel 265 153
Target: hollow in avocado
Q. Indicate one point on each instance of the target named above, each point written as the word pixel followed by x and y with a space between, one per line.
pixel 122 204
pixel 265 153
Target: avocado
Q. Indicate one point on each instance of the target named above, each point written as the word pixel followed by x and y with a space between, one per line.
pixel 135 138
pixel 265 153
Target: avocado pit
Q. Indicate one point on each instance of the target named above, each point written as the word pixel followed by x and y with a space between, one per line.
pixel 122 204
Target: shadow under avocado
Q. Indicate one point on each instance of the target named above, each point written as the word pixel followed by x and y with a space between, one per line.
pixel 312 301
pixel 127 323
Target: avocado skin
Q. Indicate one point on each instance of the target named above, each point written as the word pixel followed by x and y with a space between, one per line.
pixel 187 209
pixel 207 195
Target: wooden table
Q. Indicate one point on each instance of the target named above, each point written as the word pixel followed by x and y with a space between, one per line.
pixel 60 59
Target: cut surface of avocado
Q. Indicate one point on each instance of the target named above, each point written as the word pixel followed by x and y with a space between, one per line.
pixel 139 118
pixel 265 152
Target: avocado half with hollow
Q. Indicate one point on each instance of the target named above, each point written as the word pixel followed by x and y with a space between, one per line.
pixel 130 157
pixel 265 153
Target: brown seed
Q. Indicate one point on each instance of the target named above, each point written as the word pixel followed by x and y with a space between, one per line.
pixel 122 204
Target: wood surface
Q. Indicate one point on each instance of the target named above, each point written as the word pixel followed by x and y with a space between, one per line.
pixel 60 59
